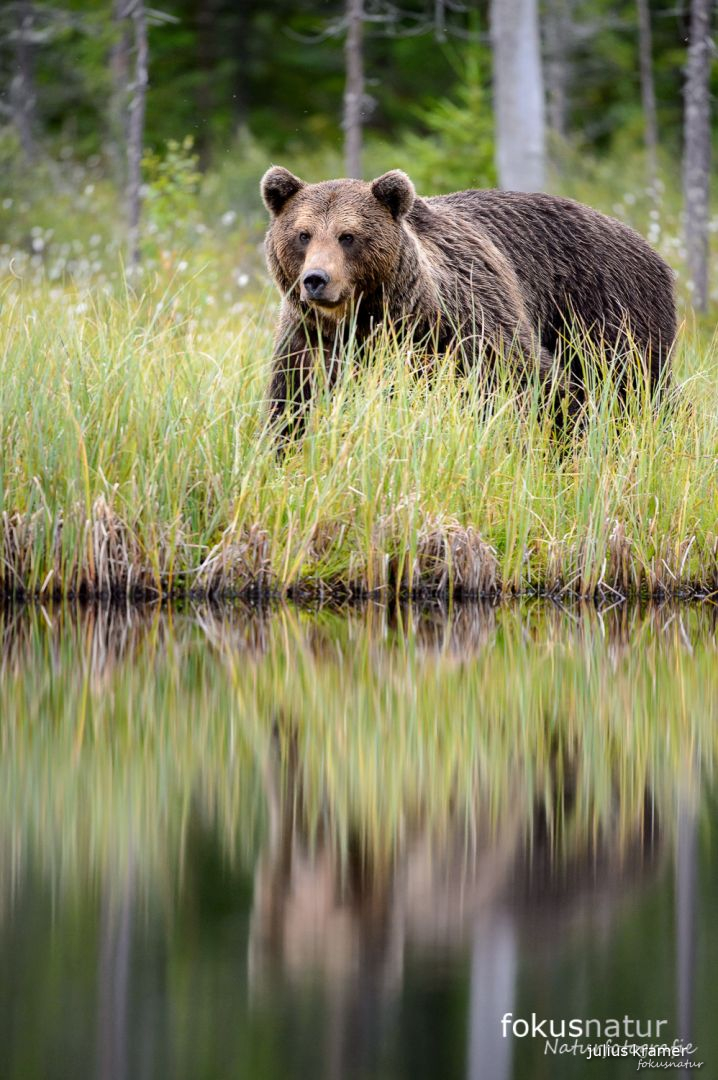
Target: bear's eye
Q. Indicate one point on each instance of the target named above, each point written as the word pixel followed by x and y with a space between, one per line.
pixel 304 238
pixel 346 239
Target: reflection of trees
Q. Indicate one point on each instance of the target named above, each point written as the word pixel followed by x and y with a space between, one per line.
pixel 113 978
pixel 493 994
pixel 686 916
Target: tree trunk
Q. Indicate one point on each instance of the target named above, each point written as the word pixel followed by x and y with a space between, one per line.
pixel 119 78
pixel 22 83
pixel 440 20
pixel 135 136
pixel 557 46
pixel 354 91
pixel 648 94
pixel 697 151
pixel 518 94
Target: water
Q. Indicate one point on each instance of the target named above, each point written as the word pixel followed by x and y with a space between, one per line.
pixel 278 844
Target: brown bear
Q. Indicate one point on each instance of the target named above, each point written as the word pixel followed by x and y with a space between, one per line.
pixel 482 272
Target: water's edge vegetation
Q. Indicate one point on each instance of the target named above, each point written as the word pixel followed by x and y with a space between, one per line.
pixel 135 462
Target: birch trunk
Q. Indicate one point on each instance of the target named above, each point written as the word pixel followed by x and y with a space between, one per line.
pixel 518 94
pixel 440 20
pixel 648 93
pixel 556 37
pixel 119 61
pixel 22 84
pixel 354 92
pixel 697 151
pixel 135 136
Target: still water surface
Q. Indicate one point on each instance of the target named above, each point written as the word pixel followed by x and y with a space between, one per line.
pixel 278 844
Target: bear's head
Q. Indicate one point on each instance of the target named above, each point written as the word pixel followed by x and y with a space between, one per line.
pixel 329 244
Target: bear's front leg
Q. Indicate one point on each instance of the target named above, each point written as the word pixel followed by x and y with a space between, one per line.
pixel 290 391
pixel 304 357
pixel 292 381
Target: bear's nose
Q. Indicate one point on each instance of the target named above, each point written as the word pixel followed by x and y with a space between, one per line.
pixel 315 282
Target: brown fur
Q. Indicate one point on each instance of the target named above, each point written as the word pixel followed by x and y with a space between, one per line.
pixel 484 272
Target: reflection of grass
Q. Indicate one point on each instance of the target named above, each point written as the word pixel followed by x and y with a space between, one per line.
pixel 134 456
pixel 114 729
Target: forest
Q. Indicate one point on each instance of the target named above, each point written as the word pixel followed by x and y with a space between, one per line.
pixel 277 70
pixel 593 92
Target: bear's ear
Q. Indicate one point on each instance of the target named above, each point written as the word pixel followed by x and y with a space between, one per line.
pixel 277 186
pixel 395 191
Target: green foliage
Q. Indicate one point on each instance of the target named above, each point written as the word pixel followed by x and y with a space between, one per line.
pixel 456 150
pixel 172 181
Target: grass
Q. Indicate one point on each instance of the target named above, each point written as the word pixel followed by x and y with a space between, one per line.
pixel 135 461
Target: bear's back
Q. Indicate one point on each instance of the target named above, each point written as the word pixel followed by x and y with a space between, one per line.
pixel 568 257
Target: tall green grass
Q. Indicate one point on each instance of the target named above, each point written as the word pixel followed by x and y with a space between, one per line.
pixel 135 459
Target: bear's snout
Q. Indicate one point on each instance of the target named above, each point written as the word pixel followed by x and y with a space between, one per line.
pixel 314 282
